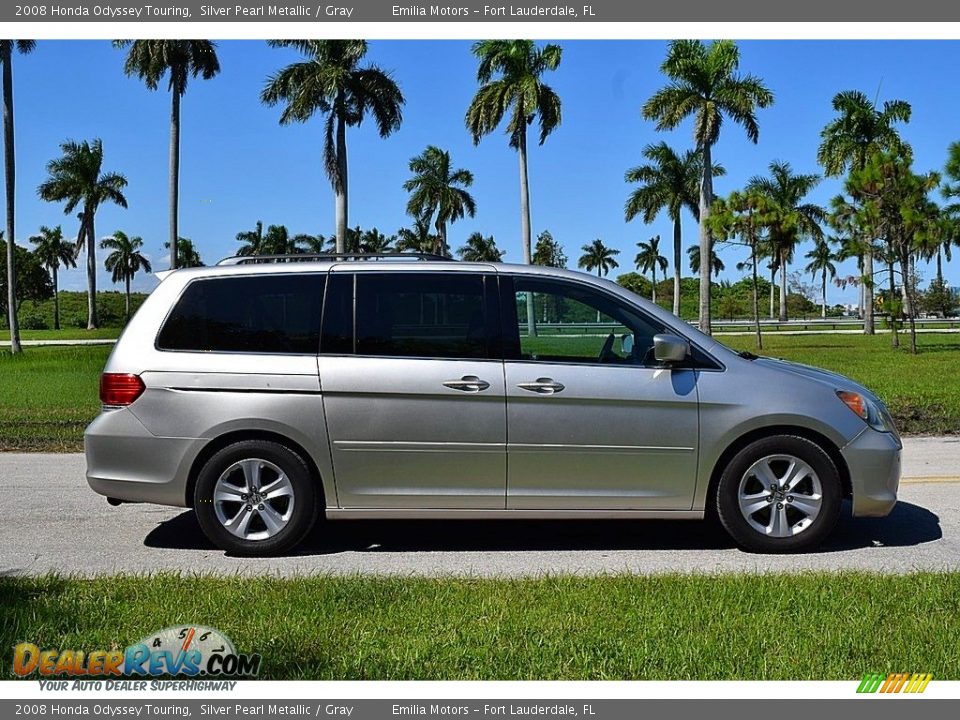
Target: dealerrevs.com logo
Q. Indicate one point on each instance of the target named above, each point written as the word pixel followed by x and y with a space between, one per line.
pixel 182 650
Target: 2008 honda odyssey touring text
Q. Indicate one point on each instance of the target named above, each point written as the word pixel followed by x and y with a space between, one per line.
pixel 267 393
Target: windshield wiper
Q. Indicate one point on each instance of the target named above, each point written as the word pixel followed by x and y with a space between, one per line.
pixel 747 355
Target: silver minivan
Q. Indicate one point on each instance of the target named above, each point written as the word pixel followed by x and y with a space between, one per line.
pixel 270 392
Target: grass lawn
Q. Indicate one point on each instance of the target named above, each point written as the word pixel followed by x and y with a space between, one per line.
pixel 104 333
pixel 48 394
pixel 750 627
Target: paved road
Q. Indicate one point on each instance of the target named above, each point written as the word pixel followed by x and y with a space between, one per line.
pixel 53 522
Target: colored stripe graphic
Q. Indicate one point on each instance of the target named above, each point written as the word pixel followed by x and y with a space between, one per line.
pixel 894 683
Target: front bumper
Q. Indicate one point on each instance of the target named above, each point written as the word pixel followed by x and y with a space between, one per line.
pixel 127 462
pixel 873 459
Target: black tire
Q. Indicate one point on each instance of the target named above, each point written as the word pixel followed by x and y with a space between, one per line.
pixel 728 489
pixel 301 517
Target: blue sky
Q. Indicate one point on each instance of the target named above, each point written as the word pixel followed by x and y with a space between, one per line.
pixel 238 165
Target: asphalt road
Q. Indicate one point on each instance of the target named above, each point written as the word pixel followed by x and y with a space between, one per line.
pixel 53 522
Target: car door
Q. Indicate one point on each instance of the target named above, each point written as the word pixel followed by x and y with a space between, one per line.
pixel 412 381
pixel 593 423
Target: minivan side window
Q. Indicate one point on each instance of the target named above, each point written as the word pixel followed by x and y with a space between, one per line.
pixel 416 315
pixel 247 313
pixel 574 323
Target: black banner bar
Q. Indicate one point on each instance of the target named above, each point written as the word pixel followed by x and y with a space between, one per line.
pixel 70 11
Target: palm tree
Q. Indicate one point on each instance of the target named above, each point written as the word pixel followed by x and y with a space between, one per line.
pixel 125 261
pixel 821 261
pixel 435 189
pixel 847 141
pixel 480 249
pixel 54 252
pixel 418 238
pixel 716 264
pixel 77 179
pixel 596 256
pixel 950 236
pixel 150 60
pixel 704 82
pixel 331 81
pixel 278 241
pixel 669 182
pixel 187 254
pixel 648 259
pixel 9 172
pixel 509 74
pixel 788 218
pixel 375 242
pixel 253 241
pixel 314 244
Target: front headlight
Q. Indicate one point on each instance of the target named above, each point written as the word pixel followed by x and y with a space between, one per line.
pixel 869 411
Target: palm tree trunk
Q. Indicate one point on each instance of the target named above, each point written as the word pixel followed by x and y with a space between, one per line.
pixel 756 294
pixel 677 249
pixel 174 172
pixel 773 284
pixel 908 300
pixel 525 222
pixel 895 341
pixel 939 268
pixel 126 306
pixel 599 268
pixel 340 186
pixel 783 285
pixel 868 319
pixel 653 286
pixel 9 185
pixel 823 290
pixel 706 241
pixel 91 271
pixel 56 300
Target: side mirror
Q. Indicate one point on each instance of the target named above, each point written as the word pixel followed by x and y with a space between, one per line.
pixel 626 344
pixel 670 348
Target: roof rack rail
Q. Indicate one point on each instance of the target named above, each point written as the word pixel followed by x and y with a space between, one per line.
pixel 307 257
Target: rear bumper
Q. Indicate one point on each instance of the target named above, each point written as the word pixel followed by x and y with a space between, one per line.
pixel 873 459
pixel 127 462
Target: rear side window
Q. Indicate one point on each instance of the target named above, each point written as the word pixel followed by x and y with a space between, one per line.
pixel 424 315
pixel 261 314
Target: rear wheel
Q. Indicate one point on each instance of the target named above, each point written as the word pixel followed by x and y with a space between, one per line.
pixel 779 494
pixel 255 497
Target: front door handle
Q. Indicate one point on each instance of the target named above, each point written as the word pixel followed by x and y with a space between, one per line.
pixel 468 383
pixel 543 386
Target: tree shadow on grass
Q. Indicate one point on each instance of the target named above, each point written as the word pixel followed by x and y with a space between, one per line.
pixel 907 525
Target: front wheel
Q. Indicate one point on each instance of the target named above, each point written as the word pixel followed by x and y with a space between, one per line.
pixel 255 497
pixel 779 494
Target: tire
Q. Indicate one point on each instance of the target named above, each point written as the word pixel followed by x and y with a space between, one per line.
pixel 231 511
pixel 796 520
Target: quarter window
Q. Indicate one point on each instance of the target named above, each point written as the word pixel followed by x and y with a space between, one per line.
pixel 263 314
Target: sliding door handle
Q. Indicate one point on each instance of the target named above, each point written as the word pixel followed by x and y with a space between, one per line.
pixel 468 383
pixel 543 386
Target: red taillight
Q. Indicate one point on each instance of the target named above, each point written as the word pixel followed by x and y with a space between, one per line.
pixel 120 388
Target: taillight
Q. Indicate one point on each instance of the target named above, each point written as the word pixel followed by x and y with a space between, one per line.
pixel 120 388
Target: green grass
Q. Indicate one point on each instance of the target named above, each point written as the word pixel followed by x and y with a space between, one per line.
pixel 745 627
pixel 48 395
pixel 104 333
pixel 922 391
